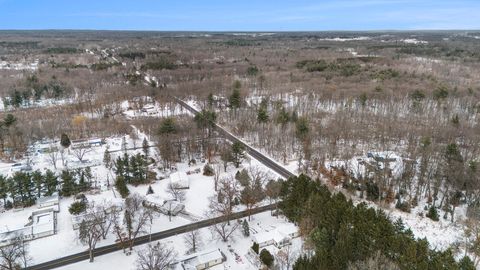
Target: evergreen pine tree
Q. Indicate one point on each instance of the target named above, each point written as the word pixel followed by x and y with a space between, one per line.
pixel 83 177
pixel 9 120
pixel 25 188
pixel 65 140
pixel 466 264
pixel 235 99
pixel 252 71
pixel 238 153
pixel 302 129
pixel 150 190
pixel 38 180
pixel 68 183
pixel 433 213
pixel 210 100
pixel 16 189
pixel 121 186
pixel 145 147
pixel 167 126
pixel 262 115
pixel 107 158
pixel 266 257
pixel 246 228
pixel 51 182
pixel 282 117
pixel 3 189
pixel 256 247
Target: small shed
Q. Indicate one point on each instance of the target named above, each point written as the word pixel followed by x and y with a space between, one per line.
pixel 49 201
pixel 180 180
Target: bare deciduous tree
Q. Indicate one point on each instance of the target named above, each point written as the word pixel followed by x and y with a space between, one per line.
pixel 378 261
pixel 217 170
pixel 155 257
pixel 272 190
pixel 14 256
pixel 253 191
pixel 106 212
pixel 221 204
pixel 223 201
pixel 176 191
pixel 81 151
pixel 285 258
pixel 53 156
pixel 224 229
pixel 135 219
pixel 193 240
pixel 89 233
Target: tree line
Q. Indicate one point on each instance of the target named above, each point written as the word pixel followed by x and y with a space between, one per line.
pixel 341 235
pixel 22 189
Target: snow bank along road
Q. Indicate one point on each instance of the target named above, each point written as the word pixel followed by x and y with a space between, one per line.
pixel 270 163
pixel 147 238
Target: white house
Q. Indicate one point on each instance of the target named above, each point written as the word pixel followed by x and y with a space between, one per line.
pixel 264 239
pixel 280 240
pixel 280 236
pixel 200 260
pixel 288 229
pixel 180 180
pixel 41 223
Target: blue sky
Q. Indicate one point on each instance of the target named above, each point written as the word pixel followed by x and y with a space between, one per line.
pixel 240 15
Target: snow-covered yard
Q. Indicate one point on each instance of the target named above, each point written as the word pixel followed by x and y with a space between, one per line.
pixel 235 250
pixel 196 201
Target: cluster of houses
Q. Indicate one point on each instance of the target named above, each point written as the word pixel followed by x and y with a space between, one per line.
pixel 47 146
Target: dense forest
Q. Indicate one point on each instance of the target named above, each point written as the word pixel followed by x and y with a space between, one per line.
pixel 342 235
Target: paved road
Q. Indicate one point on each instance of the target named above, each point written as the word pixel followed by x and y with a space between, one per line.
pixel 250 150
pixel 145 239
pixel 186 228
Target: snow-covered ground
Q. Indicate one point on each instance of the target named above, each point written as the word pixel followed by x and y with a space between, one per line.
pixel 19 65
pixel 440 234
pixel 65 240
pixel 342 39
pixel 235 250
pixel 43 103
pixel 146 107
pixel 414 41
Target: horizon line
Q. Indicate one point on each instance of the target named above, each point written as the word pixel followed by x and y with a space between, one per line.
pixel 245 31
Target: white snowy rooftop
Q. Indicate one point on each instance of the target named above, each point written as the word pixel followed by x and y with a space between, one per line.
pixel 48 200
pixel 200 258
